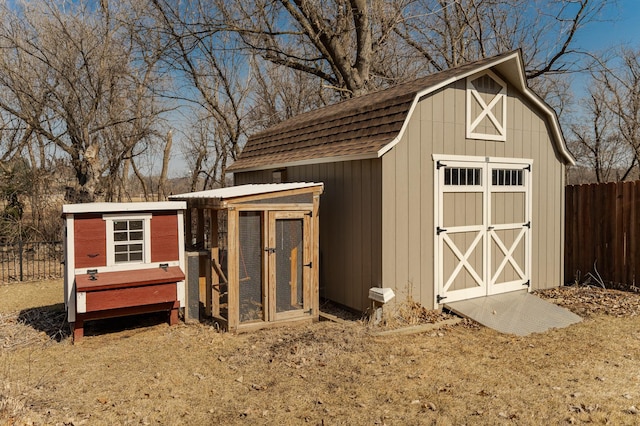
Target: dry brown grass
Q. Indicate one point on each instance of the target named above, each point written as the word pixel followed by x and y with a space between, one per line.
pixel 324 373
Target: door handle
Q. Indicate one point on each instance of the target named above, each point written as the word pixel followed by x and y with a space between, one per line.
pixel 270 249
pixel 491 228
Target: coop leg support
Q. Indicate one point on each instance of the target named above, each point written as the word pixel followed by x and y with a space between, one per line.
pixel 173 314
pixel 78 330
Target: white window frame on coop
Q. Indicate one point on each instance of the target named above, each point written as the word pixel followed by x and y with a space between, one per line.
pixel 146 237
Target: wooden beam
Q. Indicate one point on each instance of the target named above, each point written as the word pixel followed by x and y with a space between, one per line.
pixel 315 249
pixel 213 244
pixel 188 237
pixel 273 207
pixel 200 229
pixel 293 260
pixel 276 194
pixel 232 271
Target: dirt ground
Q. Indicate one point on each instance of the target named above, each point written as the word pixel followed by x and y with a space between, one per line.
pixel 141 371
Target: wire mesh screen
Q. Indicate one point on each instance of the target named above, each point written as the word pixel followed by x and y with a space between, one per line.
pixel 289 264
pixel 250 264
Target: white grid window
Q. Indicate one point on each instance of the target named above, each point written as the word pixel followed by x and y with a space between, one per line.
pixel 128 240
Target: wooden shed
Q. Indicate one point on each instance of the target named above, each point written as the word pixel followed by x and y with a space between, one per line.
pixel 444 188
pixel 123 259
pixel 261 245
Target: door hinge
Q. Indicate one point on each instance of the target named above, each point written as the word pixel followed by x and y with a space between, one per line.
pixel 440 298
pixel 308 265
pixel 439 164
pixel 528 167
pixel 440 230
pixel 310 214
pixel 270 249
pixel 528 225
pixel 528 283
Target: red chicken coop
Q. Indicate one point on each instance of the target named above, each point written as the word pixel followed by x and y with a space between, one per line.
pixel 123 259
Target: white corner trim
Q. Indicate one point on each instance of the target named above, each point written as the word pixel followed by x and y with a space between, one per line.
pixel 81 302
pixel 181 293
pixel 69 265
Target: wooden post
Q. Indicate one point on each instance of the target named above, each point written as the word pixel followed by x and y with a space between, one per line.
pixel 212 305
pixel 232 270
pixel 293 284
pixel 200 230
pixel 187 228
pixel 315 248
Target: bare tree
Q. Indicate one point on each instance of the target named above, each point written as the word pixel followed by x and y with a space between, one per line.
pixel 450 33
pixel 70 73
pixel 621 82
pixel 338 42
pixel 281 93
pixel 357 46
pixel 215 82
pixel 596 141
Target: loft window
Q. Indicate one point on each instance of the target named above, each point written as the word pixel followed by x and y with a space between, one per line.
pixel 128 239
pixel 507 177
pixel 486 107
pixel 462 176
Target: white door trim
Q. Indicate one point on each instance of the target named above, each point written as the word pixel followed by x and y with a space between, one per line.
pixel 486 232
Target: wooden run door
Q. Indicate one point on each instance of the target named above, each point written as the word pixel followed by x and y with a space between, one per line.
pixel 482 229
pixel 289 265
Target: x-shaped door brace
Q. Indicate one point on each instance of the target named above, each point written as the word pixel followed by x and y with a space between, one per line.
pixel 464 262
pixel 487 110
pixel 508 254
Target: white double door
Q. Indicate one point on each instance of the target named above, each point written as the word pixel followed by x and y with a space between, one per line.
pixel 483 227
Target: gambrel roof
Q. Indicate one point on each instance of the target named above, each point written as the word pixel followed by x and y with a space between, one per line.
pixel 369 125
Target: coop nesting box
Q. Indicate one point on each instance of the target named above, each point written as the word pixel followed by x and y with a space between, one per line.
pixel 123 259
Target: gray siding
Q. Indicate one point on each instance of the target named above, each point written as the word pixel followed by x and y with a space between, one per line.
pixel 438 126
pixel 350 225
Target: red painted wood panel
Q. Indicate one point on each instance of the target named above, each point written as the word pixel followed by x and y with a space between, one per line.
pixel 90 240
pixel 127 297
pixel 134 278
pixel 164 237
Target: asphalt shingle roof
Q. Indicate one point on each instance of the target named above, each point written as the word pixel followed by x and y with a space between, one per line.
pixel 358 126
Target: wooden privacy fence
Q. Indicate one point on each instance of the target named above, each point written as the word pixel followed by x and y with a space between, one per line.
pixel 602 228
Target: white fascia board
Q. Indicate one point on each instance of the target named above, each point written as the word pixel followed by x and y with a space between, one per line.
pixel 308 162
pixel 522 83
pixel 123 207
